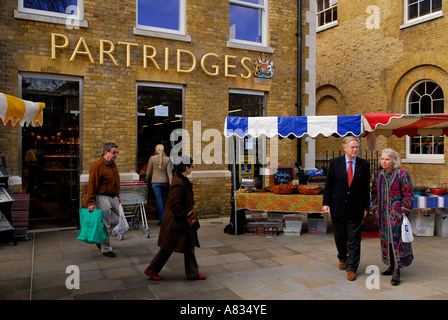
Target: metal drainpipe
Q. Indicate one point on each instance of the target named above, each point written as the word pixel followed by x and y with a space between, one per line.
pixel 299 74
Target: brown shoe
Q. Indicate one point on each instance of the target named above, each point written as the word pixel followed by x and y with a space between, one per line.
pixel 341 265
pixel 351 276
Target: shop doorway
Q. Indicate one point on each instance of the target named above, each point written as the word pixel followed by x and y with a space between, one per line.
pixel 247 151
pixel 50 154
pixel 160 112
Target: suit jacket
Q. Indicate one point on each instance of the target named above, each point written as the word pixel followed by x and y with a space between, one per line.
pixel 344 201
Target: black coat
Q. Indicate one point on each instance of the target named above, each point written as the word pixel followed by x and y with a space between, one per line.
pixel 344 201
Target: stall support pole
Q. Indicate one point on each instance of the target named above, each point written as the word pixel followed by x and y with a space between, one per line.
pixel 234 185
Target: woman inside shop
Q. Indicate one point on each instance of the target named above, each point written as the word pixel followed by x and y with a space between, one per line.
pixel 159 167
pixel 393 197
pixel 176 234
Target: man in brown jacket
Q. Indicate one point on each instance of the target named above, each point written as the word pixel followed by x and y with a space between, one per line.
pixel 103 192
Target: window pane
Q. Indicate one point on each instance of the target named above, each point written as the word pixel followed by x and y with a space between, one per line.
pixel 436 5
pixel 320 5
pixel 328 16
pixel 59 6
pixel 426 104
pixel 159 13
pixel 245 23
pixel 413 11
pixel 414 108
pixel 321 19
pixel 421 88
pixel 437 106
pixel 425 7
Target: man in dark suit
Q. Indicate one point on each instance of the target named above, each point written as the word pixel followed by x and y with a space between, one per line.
pixel 348 203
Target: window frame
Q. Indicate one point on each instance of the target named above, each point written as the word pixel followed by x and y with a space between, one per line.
pixel 52 17
pixel 79 16
pixel 164 31
pixel 421 19
pixel 421 158
pixel 327 25
pixel 263 24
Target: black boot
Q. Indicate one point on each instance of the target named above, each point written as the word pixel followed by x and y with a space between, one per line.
pixel 395 277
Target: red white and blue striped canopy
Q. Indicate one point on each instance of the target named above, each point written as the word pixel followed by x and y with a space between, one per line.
pixel 293 126
pixel 392 124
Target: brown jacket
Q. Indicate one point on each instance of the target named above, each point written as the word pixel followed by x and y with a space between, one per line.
pixel 103 179
pixel 174 228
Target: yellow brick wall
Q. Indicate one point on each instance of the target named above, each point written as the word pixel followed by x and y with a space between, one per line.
pixel 109 92
pixel 361 70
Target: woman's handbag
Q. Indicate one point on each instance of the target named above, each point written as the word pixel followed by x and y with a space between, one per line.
pixel 192 220
pixel 92 226
pixel 406 230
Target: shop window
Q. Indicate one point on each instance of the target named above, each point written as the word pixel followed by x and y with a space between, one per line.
pixel 248 22
pixel 160 112
pixel 327 14
pixel 50 154
pixel 248 153
pixel 425 97
pixel 62 9
pixel 166 16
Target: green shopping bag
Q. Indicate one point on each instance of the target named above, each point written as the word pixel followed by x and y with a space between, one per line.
pixel 92 226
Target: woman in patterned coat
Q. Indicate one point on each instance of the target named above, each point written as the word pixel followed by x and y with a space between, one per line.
pixel 393 197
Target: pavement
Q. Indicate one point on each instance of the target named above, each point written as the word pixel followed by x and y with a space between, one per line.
pixel 238 268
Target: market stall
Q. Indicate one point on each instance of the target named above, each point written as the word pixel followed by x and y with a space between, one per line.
pixel 286 127
pixel 369 125
pixel 15 112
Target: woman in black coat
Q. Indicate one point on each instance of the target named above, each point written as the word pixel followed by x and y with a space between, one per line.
pixel 175 234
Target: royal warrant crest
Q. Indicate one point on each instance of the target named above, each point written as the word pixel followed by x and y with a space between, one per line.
pixel 263 67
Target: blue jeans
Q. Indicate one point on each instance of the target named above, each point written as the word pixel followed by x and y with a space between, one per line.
pixel 160 189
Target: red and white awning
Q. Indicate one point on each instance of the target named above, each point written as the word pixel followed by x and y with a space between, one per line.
pixel 15 111
pixel 388 124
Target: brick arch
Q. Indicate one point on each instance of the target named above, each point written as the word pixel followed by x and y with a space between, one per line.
pixel 327 96
pixel 411 77
pixel 329 101
pixel 401 78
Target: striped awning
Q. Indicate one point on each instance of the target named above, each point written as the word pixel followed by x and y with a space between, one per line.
pixel 293 126
pixel 392 124
pixel 15 111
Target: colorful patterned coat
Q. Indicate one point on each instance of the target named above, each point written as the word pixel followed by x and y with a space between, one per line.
pixel 391 198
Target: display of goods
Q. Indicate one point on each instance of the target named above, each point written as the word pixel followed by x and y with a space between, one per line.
pixel 438 191
pixel 310 189
pixel 283 188
pixel 418 191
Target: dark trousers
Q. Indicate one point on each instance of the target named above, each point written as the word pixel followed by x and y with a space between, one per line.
pixel 191 265
pixel 347 236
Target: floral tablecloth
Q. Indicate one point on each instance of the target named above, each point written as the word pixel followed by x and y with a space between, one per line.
pixel 279 202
